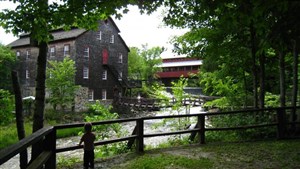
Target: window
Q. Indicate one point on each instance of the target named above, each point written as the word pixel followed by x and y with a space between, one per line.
pixel 104 75
pixel 27 74
pixel 91 95
pixel 120 76
pixel 18 53
pixel 52 51
pixel 120 58
pixel 103 94
pixel 67 50
pixel 85 72
pixel 99 35
pixel 86 52
pixel 28 54
pixel 112 39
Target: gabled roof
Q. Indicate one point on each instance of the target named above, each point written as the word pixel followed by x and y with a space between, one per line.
pixel 122 40
pixel 57 35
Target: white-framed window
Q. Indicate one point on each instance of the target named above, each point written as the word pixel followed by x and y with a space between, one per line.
pixel 28 54
pixel 104 75
pixel 120 76
pixel 66 50
pixel 18 53
pixel 85 72
pixel 86 52
pixel 104 94
pixel 120 58
pixel 27 74
pixel 52 51
pixel 91 95
pixel 99 35
pixel 112 39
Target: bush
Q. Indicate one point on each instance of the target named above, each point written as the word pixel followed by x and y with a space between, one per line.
pixel 7 107
pixel 100 112
pixel 243 119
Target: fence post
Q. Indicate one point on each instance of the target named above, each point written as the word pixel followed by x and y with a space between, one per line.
pixel 201 133
pixel 281 120
pixel 140 135
pixel 50 145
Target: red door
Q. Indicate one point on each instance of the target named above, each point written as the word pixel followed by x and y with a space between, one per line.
pixel 105 56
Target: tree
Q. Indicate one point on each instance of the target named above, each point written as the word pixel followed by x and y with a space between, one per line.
pixel 38 18
pixel 252 24
pixel 19 117
pixel 135 64
pixel 143 63
pixel 61 82
pixel 7 63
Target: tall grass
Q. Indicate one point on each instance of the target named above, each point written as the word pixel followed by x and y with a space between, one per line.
pixel 9 135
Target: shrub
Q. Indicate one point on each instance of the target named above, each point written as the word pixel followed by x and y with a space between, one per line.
pixel 7 107
pixel 100 112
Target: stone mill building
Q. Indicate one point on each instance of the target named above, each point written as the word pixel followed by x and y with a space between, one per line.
pixel 101 60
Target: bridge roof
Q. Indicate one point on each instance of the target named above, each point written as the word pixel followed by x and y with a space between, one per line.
pixel 181 63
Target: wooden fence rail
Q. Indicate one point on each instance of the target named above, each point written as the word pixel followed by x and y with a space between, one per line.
pixel 47 157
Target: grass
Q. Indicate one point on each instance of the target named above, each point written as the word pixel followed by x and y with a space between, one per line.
pixel 9 136
pixel 162 161
pixel 283 154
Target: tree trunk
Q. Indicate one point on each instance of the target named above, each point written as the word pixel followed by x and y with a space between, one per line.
pixel 38 117
pixel 254 70
pixel 19 117
pixel 295 83
pixel 282 78
pixel 262 60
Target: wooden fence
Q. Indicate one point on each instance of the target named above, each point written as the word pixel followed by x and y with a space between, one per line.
pixel 155 104
pixel 47 135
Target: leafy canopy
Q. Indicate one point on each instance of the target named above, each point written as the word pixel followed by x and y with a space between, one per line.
pixel 7 63
pixel 61 82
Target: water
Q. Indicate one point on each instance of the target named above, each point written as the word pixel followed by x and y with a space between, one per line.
pixel 128 126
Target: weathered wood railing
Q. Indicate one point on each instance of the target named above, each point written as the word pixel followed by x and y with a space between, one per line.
pixel 47 158
pixel 150 103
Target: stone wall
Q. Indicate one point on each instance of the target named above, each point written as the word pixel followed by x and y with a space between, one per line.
pixel 81 99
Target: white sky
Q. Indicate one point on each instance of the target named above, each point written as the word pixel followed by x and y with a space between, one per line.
pixel 136 30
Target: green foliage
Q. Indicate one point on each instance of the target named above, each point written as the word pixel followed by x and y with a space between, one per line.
pixel 142 63
pixel 7 64
pixel 100 112
pixel 178 93
pixel 230 89
pixel 238 38
pixel 272 100
pixel 7 107
pixel 9 135
pixel 67 163
pixel 237 120
pixel 135 64
pixel 61 82
pixel 177 106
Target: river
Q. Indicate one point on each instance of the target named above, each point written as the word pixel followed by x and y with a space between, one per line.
pixel 13 163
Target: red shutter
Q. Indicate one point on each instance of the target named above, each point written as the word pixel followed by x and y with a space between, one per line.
pixel 105 56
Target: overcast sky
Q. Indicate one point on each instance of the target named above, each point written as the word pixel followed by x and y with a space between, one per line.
pixel 136 30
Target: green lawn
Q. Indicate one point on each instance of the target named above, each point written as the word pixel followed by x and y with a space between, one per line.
pixel 283 154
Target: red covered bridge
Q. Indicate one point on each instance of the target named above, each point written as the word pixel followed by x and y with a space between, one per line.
pixel 174 68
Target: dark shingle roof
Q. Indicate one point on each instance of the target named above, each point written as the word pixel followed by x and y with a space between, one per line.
pixel 57 35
